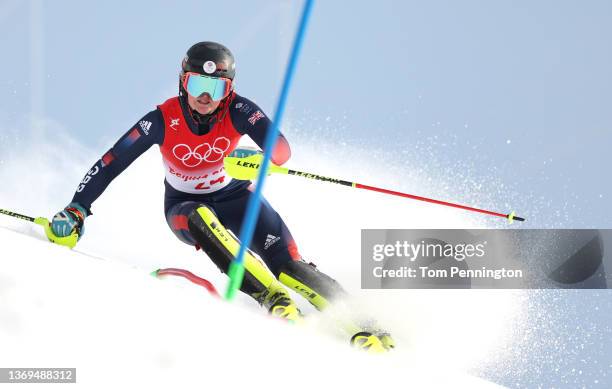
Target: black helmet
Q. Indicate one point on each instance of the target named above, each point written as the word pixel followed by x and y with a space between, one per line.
pixel 207 58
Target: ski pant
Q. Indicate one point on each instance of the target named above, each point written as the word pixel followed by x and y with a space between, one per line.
pixel 194 220
pixel 272 240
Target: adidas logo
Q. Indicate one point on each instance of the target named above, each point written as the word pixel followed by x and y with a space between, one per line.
pixel 270 240
pixel 145 125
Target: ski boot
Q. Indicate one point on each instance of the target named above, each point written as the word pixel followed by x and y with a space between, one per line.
pixel 371 338
pixel 280 304
pixel 373 342
pixel 368 342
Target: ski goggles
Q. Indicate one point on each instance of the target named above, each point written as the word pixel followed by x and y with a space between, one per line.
pixel 197 84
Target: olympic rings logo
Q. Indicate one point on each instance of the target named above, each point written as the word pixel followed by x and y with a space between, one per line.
pixel 203 152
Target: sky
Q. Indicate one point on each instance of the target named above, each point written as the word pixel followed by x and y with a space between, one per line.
pixel 507 103
pixel 513 93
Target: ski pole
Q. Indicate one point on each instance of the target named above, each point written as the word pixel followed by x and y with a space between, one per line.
pixel 188 275
pixel 247 169
pixel 69 241
pixel 236 268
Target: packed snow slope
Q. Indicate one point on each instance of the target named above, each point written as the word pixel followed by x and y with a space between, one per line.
pixel 110 319
pixel 119 326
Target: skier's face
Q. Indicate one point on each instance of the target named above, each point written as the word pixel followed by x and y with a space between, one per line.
pixel 203 104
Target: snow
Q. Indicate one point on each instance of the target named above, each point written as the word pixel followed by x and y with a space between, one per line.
pixel 97 309
pixel 120 327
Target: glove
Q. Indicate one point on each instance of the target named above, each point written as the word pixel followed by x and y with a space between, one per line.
pixel 70 220
pixel 244 152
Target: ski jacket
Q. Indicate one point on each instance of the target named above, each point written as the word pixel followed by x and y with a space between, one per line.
pixel 192 157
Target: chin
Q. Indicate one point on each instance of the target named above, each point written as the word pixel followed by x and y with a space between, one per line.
pixel 203 111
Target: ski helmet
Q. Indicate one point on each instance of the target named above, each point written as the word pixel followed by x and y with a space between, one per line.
pixel 211 59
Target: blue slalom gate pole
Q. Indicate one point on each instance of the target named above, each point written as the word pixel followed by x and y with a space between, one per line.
pixel 236 269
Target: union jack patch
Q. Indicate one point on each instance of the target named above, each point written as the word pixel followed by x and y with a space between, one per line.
pixel 255 117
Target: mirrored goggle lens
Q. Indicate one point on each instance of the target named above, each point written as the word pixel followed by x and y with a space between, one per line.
pixel 197 84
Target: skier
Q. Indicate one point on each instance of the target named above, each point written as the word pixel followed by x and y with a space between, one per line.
pixel 195 131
